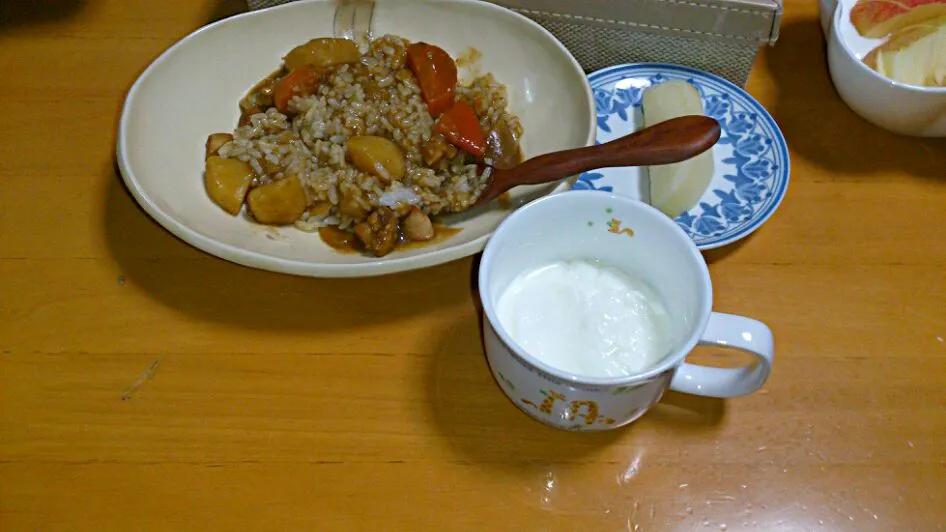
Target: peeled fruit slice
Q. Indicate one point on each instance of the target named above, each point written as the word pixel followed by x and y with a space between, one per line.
pixel 879 18
pixel 279 203
pixel 227 181
pixel 915 55
pixel 676 188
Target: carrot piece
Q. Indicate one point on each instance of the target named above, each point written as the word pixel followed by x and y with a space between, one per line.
pixel 301 81
pixel 436 73
pixel 462 128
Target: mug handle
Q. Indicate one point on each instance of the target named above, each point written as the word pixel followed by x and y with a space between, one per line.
pixel 739 332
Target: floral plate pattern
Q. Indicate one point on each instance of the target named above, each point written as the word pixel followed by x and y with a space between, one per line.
pixel 751 158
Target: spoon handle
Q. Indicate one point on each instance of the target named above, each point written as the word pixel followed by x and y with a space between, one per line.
pixel 666 142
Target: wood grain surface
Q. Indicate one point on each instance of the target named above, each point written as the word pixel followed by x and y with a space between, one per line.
pixel 145 385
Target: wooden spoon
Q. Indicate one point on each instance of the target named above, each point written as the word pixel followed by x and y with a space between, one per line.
pixel 667 142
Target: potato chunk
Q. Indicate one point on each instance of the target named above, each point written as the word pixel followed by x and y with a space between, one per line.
pixel 279 203
pixel 377 156
pixel 227 181
pixel 323 52
pixel 215 141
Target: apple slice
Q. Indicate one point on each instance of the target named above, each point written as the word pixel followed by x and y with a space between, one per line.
pixel 915 55
pixel 879 18
pixel 676 188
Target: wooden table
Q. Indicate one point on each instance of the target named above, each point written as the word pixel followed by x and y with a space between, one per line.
pixel 145 385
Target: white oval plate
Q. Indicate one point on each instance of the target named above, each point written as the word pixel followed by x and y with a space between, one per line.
pixel 751 158
pixel 193 89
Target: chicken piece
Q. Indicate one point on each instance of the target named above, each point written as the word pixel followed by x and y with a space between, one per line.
pixel 502 145
pixel 214 142
pixel 436 148
pixel 417 226
pixel 379 232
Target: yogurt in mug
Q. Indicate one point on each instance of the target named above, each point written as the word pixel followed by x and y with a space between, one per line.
pixel 586 318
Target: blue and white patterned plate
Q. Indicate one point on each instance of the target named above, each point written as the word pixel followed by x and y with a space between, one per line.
pixel 751 158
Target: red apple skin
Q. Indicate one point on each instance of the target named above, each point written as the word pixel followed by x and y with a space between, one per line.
pixel 879 18
pixel 903 39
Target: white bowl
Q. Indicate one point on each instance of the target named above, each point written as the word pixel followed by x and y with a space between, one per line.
pixel 193 90
pixel 897 107
pixel 826 10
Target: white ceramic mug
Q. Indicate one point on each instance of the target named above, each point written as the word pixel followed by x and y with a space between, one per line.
pixel 637 238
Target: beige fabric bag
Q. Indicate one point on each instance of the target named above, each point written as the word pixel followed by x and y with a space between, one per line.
pixel 719 36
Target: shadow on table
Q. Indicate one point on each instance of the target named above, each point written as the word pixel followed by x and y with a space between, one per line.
pixel 712 256
pixel 28 12
pixel 818 125
pixel 222 9
pixel 485 428
pixel 214 290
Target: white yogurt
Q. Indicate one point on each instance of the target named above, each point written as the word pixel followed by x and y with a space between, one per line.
pixel 587 319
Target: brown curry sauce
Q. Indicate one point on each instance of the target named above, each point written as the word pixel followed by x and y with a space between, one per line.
pixel 346 241
pixel 503 149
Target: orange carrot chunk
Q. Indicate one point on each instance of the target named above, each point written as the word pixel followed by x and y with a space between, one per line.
pixel 436 73
pixel 461 127
pixel 301 81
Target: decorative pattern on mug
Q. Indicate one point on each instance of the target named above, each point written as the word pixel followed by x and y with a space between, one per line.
pixel 585 409
pixel 502 378
pixel 546 405
pixel 614 226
